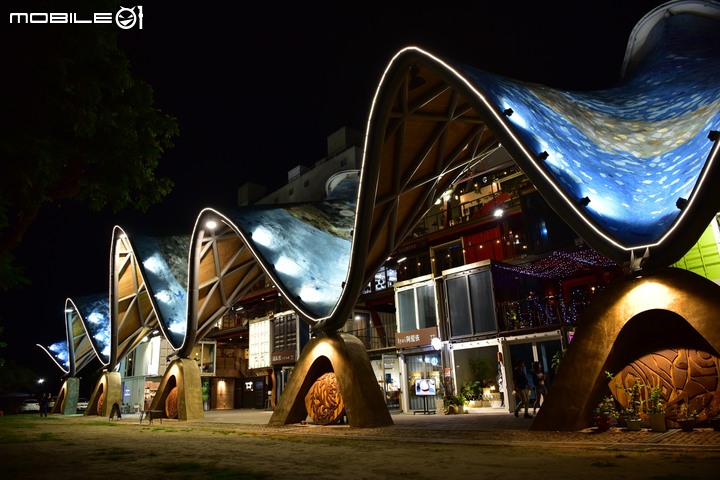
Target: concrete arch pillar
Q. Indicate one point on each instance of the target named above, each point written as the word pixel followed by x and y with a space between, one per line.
pixel 346 356
pixel 597 345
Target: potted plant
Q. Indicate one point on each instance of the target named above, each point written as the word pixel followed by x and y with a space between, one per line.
pixel 206 395
pixel 455 403
pixel 686 418
pixel 460 402
pixel 655 408
pixel 483 370
pixel 471 390
pixel 629 416
pixel 449 406
pixel 604 413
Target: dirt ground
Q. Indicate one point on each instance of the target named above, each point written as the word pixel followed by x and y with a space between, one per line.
pixel 77 447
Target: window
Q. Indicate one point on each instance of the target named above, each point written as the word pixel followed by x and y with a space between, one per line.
pixel 414 266
pixel 285 332
pixel 204 355
pixel 384 278
pixel 470 303
pixel 445 257
pixel 416 307
pixel 130 364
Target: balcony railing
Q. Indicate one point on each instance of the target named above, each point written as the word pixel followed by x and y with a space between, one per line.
pixel 479 209
pixel 374 341
pixel 539 312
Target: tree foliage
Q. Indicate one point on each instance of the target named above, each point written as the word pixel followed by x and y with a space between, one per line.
pixel 16 378
pixel 75 124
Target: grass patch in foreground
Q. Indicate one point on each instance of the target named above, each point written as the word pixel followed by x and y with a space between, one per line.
pixel 22 431
pixel 170 429
pixel 114 454
pixel 672 477
pixel 198 470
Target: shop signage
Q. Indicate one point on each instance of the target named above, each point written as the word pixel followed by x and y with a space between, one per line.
pixel 283 357
pixel 416 338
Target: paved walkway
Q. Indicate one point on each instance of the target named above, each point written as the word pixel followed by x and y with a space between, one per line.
pixel 482 419
pixel 479 426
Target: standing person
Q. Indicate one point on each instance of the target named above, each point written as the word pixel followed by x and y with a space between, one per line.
pixel 44 400
pixel 540 387
pixel 500 381
pixel 520 382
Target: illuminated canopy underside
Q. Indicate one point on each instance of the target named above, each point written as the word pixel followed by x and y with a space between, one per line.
pixel 633 150
pixel 643 152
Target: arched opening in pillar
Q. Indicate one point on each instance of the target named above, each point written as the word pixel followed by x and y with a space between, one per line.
pixel 660 348
pixel 336 364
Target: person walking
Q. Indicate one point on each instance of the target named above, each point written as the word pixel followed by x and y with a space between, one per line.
pixel 44 401
pixel 521 385
pixel 540 387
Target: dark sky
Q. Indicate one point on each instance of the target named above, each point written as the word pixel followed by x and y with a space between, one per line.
pixel 257 91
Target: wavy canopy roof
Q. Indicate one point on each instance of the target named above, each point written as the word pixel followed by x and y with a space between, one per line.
pixel 87 328
pixel 633 150
pixel 630 168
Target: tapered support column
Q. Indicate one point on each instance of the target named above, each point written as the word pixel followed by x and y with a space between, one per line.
pixel 66 402
pixel 344 355
pixel 180 392
pixel 106 399
pixel 667 310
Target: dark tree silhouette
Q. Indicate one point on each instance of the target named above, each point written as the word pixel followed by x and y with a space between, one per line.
pixel 75 124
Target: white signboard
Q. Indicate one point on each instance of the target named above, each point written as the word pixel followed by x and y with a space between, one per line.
pixel 259 343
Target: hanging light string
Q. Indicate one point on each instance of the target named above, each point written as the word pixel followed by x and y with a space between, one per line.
pixel 560 264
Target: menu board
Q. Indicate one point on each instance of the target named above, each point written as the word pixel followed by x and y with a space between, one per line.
pixel 425 386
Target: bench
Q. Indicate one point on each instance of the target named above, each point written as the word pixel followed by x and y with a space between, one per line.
pixel 150 415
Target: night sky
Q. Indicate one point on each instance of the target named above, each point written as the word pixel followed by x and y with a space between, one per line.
pixel 257 91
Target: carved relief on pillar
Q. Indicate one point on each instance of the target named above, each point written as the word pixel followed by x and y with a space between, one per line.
pixel 171 404
pixel 323 401
pixel 686 377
